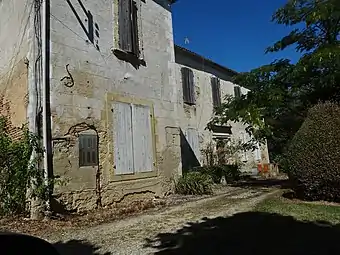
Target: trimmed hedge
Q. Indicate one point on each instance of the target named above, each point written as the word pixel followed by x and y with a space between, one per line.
pixel 313 157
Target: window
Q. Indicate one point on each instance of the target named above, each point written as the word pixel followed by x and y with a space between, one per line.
pixel 237 91
pixel 216 91
pixel 192 138
pixel 188 86
pixel 257 152
pixel 128 27
pixel 221 151
pixel 133 138
pixel 243 139
pixel 88 150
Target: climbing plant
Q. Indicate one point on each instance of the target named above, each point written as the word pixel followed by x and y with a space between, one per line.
pixel 19 171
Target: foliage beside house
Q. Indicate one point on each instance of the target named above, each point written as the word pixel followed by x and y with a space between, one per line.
pixel 282 92
pixel 313 158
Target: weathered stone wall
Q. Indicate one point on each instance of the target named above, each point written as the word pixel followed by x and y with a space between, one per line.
pixel 15 23
pixel 197 116
pixel 94 79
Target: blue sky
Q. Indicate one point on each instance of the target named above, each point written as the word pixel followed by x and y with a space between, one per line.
pixel 231 33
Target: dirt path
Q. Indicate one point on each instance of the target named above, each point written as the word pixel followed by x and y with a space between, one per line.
pixel 129 236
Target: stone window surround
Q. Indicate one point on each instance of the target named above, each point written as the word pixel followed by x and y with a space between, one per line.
pixel 109 164
pixel 116 49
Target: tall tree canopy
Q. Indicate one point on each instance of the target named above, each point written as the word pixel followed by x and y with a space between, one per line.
pixel 282 92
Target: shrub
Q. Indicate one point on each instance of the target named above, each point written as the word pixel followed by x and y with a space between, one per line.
pixel 313 157
pixel 215 172
pixel 14 158
pixel 230 172
pixel 194 183
pixel 17 171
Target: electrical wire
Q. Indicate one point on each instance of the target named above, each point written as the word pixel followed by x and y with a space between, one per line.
pixel 18 47
pixel 75 33
pixel 61 22
pixel 38 60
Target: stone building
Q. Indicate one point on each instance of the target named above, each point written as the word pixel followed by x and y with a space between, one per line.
pixel 210 83
pixel 102 81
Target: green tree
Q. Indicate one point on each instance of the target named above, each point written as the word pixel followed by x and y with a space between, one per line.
pixel 282 92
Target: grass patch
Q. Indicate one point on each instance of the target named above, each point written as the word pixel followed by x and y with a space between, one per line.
pixel 300 210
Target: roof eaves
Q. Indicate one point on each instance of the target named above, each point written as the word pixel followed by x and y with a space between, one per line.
pixel 207 60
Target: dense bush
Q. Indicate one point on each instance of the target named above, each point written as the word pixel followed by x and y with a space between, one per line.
pixel 14 158
pixel 313 157
pixel 194 183
pixel 230 172
pixel 17 171
pixel 215 172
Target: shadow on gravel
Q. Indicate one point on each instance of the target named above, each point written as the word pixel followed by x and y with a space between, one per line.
pixel 80 247
pixel 250 233
pixel 16 243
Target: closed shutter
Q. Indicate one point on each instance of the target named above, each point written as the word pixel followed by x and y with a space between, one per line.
pixel 128 26
pixel 216 91
pixel 192 98
pixel 192 137
pixel 185 84
pixel 142 139
pixel 134 28
pixel 188 86
pixel 237 91
pixel 123 145
pixel 88 150
pixel 125 38
pixel 257 153
pixel 244 153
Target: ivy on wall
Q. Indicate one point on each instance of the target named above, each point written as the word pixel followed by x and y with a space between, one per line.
pixel 21 178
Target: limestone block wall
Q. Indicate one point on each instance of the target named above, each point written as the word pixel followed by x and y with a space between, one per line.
pixel 197 116
pixel 87 79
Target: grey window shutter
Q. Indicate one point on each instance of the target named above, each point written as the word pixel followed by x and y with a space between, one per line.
pixel 237 91
pixel 125 38
pixel 192 99
pixel 81 151
pixel 128 26
pixel 134 28
pixel 188 86
pixel 216 91
pixel 94 150
pixel 185 84
pixel 88 150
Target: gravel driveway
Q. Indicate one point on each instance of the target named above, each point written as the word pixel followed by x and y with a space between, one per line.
pixel 130 236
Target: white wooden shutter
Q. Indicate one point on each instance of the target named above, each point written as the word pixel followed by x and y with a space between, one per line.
pixel 244 153
pixel 192 137
pixel 123 145
pixel 142 138
pixel 257 152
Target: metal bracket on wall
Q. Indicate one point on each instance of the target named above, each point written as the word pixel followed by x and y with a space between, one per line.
pixel 68 79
